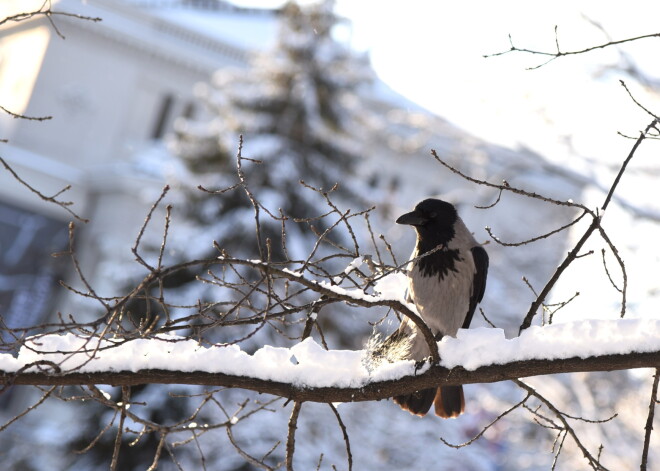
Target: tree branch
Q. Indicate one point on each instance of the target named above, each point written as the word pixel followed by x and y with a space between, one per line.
pixel 595 224
pixel 51 199
pixel 341 295
pixel 377 390
pixel 559 53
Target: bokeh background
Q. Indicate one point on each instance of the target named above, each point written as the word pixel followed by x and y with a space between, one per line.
pixel 351 92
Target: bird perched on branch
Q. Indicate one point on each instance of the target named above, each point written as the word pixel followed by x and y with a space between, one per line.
pixel 445 285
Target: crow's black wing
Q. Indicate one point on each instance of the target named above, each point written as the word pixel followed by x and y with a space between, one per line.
pixel 480 258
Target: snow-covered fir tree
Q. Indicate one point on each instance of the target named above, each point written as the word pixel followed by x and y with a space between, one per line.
pixel 299 111
pixel 298 108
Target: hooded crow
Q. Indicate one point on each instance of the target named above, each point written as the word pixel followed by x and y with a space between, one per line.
pixel 446 285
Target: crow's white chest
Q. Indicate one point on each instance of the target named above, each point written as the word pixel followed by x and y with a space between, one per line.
pixel 441 284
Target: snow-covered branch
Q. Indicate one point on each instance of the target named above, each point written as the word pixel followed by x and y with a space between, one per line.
pixel 308 372
pixel 434 376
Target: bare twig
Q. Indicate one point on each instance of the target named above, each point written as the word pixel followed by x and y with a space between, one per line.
pixel 534 239
pixel 34 406
pixel 485 429
pixel 623 84
pixel 631 154
pixel 345 434
pixel 291 435
pixel 22 116
pixel 559 53
pixel 649 420
pixel 595 224
pixel 146 222
pixel 624 289
pixel 594 463
pixel 125 401
pixel 246 456
pixel 492 205
pixel 159 451
pixel 505 186
pixel 46 11
pixel 50 199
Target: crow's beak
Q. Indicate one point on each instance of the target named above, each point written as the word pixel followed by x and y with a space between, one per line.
pixel 412 219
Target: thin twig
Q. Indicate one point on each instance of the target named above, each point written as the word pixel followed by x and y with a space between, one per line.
pixel 51 199
pixel 595 224
pixel 291 435
pixel 642 136
pixel 41 400
pixel 555 55
pixel 159 451
pixel 505 186
pixel 534 239
pixel 345 434
pixel 593 462
pixel 125 401
pixel 485 429
pixel 147 219
pixel 649 421
pixel 623 84
pixel 22 116
pixel 47 12
pixel 624 274
pixel 492 205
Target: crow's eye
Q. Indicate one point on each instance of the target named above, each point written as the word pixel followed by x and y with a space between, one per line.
pixel 433 215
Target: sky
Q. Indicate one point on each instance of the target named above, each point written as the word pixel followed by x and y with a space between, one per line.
pixel 569 111
pixel 432 53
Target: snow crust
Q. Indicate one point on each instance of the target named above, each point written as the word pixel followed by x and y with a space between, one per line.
pixel 308 364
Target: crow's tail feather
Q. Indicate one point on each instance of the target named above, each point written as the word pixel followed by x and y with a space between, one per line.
pixel 417 403
pixel 449 402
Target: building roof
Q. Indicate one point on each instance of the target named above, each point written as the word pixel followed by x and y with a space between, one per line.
pixel 191 33
pixel 246 28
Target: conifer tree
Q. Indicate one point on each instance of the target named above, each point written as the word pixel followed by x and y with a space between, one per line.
pixel 298 110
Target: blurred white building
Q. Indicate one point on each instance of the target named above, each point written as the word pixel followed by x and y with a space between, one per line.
pixel 113 88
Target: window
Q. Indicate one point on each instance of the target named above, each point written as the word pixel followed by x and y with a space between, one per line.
pixel 29 275
pixel 163 116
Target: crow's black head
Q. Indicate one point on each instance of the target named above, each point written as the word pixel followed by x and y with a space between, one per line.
pixel 433 220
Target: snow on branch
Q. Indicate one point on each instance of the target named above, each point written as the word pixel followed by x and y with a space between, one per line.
pixel 308 372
